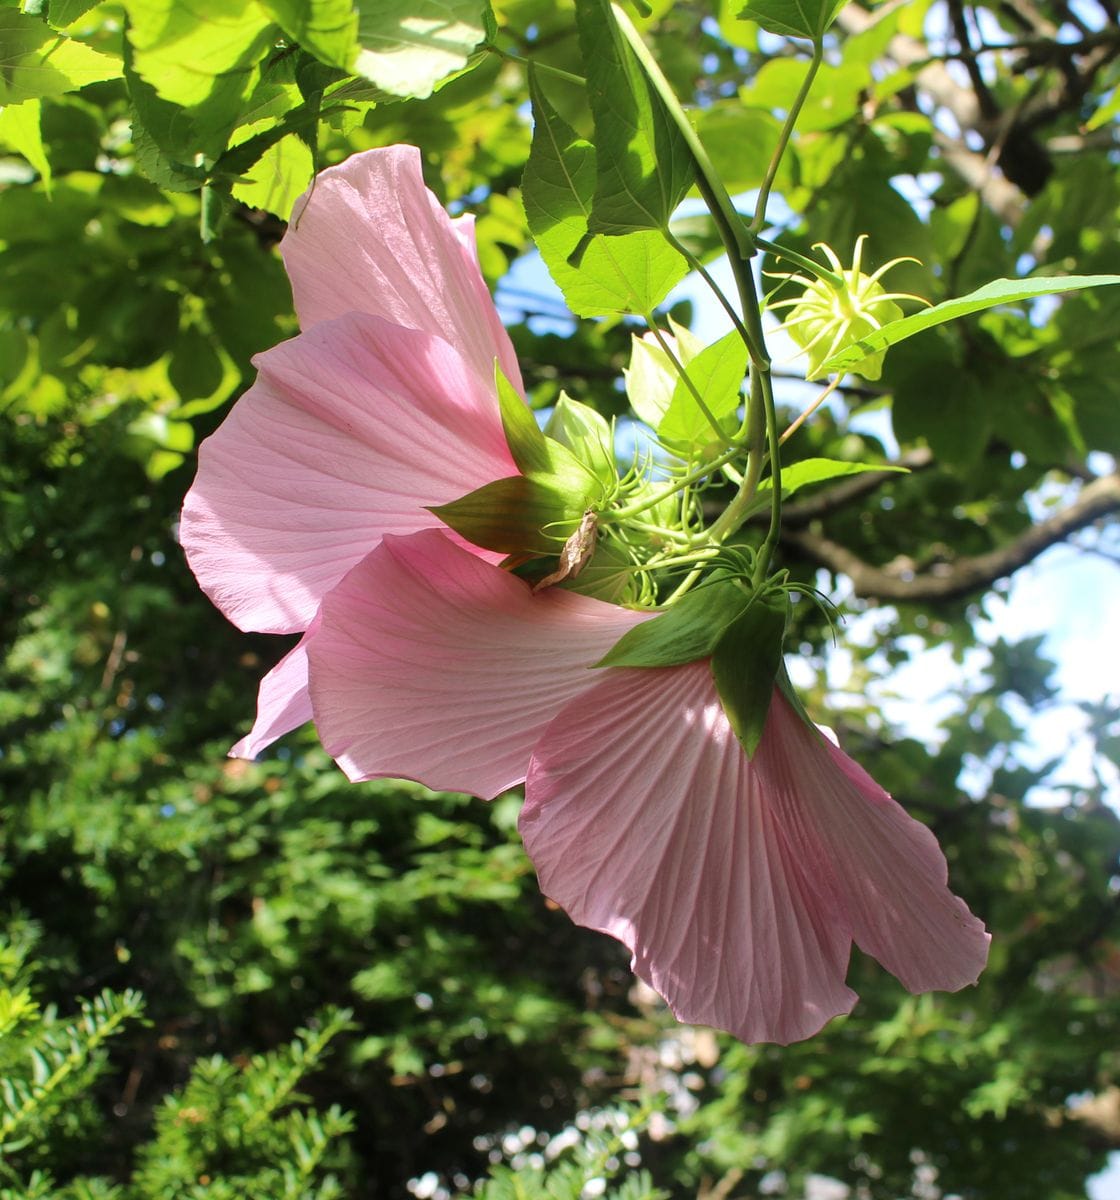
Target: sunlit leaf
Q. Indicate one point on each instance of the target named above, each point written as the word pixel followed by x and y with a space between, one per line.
pixel 999 291
pixel 793 18
pixel 644 166
pixel 19 128
pixel 632 273
pixel 326 28
pixel 36 62
pixel 409 46
pixel 717 374
pixel 188 55
pixel 817 470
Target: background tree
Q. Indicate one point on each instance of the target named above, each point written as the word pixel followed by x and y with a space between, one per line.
pixel 151 153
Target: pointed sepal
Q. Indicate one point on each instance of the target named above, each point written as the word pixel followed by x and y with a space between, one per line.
pixel 522 515
pixel 745 663
pixel 687 631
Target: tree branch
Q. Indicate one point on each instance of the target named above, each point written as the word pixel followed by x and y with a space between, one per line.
pixel 948 581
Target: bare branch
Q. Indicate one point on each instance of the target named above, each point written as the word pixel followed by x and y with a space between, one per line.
pixel 948 581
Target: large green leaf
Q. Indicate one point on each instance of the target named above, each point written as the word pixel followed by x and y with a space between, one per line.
pixel 644 166
pixel 189 53
pixel 279 176
pixel 793 18
pixel 409 46
pixel 628 274
pixel 36 62
pixel 999 291
pixel 745 665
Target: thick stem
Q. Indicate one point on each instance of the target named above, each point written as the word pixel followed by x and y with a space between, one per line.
pixel 766 550
pixel 733 232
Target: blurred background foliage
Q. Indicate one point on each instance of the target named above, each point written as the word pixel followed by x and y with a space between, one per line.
pixel 222 979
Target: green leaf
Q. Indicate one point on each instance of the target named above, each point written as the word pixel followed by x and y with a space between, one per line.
pixel 644 166
pixel 409 46
pixel 36 62
pixel 190 53
pixel 834 97
pixel 19 128
pixel 745 665
pixel 717 374
pixel 740 142
pixel 684 633
pixel 190 57
pixel 278 178
pixel 65 12
pixel 628 274
pixel 793 18
pixel 999 291
pixel 817 470
pixel 519 515
pixel 1110 107
pixel 651 378
pixel 326 28
pixel 608 576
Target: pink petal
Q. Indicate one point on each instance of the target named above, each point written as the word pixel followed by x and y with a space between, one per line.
pixel 888 869
pixel 368 236
pixel 645 820
pixel 349 432
pixel 283 702
pixel 738 886
pixel 432 664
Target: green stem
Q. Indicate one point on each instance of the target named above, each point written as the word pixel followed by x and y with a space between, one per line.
pixel 714 287
pixel 806 264
pixel 736 512
pixel 680 369
pixel 764 414
pixel 770 544
pixel 685 585
pixel 696 558
pixel 701 472
pixel 540 66
pixel 783 139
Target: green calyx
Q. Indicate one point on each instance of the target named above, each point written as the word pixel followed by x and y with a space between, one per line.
pixel 745 664
pixel 740 631
pixel 538 512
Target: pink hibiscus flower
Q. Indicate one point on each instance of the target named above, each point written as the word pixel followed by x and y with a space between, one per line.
pixel 738 886
pixel 384 404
